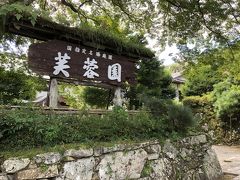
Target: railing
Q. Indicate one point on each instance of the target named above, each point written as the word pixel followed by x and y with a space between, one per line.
pixel 69 111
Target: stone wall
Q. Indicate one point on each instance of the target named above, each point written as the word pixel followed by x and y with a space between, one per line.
pixel 189 158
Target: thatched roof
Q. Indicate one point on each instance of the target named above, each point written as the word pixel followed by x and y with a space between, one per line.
pixel 45 29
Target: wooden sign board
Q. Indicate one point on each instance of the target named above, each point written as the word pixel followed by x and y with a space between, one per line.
pixel 80 63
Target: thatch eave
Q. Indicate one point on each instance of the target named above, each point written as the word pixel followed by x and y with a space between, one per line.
pixel 45 30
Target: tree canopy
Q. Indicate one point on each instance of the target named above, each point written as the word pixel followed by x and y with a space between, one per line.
pixel 211 67
pixel 16 86
pixel 167 20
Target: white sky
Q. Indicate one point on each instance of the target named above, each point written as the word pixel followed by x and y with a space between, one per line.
pixel 166 55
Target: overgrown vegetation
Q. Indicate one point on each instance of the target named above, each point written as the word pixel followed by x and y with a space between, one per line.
pixel 16 86
pixel 203 111
pixel 19 10
pixel 85 32
pixel 212 89
pixel 153 89
pixel 21 128
pixel 113 23
pixel 218 112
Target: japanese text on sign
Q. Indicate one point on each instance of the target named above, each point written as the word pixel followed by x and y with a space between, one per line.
pixel 81 64
pixel 90 52
pixel 90 65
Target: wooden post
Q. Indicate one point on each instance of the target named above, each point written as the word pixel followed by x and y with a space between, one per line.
pixel 53 93
pixel 177 92
pixel 230 127
pixel 117 100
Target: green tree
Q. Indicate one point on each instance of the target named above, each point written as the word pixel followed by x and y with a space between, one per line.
pixel 226 97
pixel 98 97
pixel 226 101
pixel 211 67
pixel 200 80
pixel 154 86
pixel 73 95
pixel 16 86
pixel 180 21
pixel 153 79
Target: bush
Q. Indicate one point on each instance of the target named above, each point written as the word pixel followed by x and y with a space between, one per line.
pixel 180 117
pixel 226 99
pixel 197 101
pixel 203 110
pixel 16 86
pixel 21 128
pixel 157 106
pixel 176 117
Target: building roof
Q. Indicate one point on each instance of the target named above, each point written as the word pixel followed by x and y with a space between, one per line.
pixel 177 78
pixel 45 29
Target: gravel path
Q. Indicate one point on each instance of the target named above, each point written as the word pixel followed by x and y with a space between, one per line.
pixel 229 158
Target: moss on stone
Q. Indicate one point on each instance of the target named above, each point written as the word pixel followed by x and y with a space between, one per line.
pixel 147 170
pixel 31 152
pixel 43 167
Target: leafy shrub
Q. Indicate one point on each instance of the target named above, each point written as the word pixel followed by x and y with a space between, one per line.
pixel 16 86
pixel 200 80
pixel 202 107
pixel 203 110
pixel 33 128
pixel 157 106
pixel 176 117
pixel 197 101
pixel 180 117
pixel 226 99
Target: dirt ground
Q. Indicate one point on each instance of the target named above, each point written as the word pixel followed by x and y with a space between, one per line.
pixel 229 158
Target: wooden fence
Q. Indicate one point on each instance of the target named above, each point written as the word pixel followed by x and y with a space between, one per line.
pixel 69 111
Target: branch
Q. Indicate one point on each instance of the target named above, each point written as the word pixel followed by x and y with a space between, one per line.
pixel 78 11
pixel 130 16
pixel 179 4
pixel 71 6
pixel 28 2
pixel 81 13
pixel 174 4
pixel 106 11
pixel 205 22
pixel 232 10
pixel 87 1
pixel 64 2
